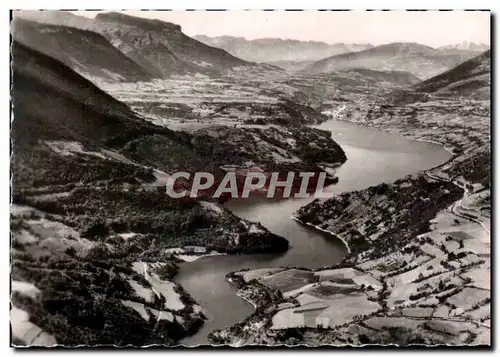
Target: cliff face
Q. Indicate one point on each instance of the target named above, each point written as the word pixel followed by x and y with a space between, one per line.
pixel 118 47
pixel 161 47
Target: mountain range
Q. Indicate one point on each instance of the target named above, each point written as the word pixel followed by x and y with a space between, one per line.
pixel 93 231
pixel 420 60
pixel 161 47
pixel 466 46
pixel 272 50
pixel 118 47
pixel 158 48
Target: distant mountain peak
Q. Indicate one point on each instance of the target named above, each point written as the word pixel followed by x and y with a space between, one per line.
pixel 272 49
pixel 146 24
pixel 54 17
pixel 222 37
pixel 420 60
pixel 466 46
pixel 410 47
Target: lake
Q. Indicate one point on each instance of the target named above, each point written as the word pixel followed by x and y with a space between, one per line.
pixel 373 157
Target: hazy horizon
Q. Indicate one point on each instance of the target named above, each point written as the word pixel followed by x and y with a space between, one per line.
pixel 432 28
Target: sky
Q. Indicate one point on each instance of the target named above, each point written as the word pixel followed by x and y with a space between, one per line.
pixel 433 28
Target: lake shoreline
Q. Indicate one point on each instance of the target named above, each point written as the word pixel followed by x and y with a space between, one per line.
pixel 324 231
pixel 263 212
pixel 431 237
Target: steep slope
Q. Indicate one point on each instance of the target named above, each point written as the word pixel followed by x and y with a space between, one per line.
pixel 53 105
pixel 471 79
pixel 161 47
pixel 422 61
pixel 464 79
pixel 53 102
pixel 80 235
pixel 84 51
pixel 271 50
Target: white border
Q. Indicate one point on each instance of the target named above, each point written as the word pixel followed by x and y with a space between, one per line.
pixel 185 4
pixel 257 4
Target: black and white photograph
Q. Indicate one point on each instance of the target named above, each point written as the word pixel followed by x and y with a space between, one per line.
pixel 250 178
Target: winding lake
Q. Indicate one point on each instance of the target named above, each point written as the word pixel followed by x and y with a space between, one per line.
pixel 373 157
